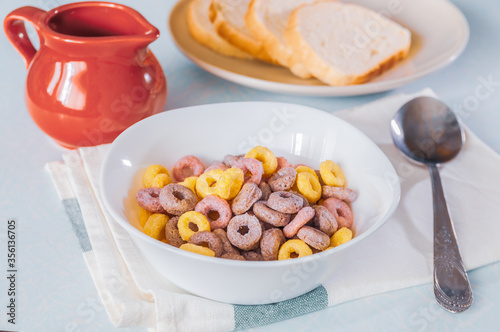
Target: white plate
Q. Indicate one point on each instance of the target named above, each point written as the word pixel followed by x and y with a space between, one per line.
pixel 439 34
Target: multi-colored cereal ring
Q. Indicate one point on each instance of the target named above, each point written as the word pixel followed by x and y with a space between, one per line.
pixel 205 184
pixel 148 198
pixel 156 176
pixel 194 217
pixel 266 190
pixel 341 236
pixel 270 216
pixel 314 237
pixel 237 225
pixel 177 199
pixel 227 247
pixel 212 240
pixel 264 155
pixel 190 163
pixel 229 183
pixel 283 179
pixel 155 226
pixel 324 220
pixel 296 246
pixel 213 203
pixel 252 166
pixel 341 211
pixel 172 233
pixel 342 193
pixel 304 215
pixel 331 174
pixel 284 201
pixel 248 195
pixel 197 249
pixel 270 243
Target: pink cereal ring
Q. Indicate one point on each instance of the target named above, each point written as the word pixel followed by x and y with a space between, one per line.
pixel 282 163
pixel 340 210
pixel 252 166
pixel 229 160
pixel 213 203
pixel 149 199
pixel 342 193
pixel 188 162
pixel 302 217
pixel 216 165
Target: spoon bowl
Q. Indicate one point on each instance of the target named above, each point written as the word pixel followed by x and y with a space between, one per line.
pixel 427 131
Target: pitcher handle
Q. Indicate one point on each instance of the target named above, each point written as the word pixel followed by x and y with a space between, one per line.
pixel 16 31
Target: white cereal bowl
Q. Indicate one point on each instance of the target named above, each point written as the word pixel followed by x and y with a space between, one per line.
pixel 302 135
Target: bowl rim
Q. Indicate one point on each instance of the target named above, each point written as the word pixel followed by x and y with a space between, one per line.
pixel 134 232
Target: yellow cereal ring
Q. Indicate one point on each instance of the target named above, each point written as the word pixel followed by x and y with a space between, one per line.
pixel 331 174
pixel 155 226
pixel 264 155
pixel 150 174
pixel 229 183
pixel 161 180
pixel 309 186
pixel 197 249
pixel 192 217
pixel 294 246
pixel 190 183
pixel 143 216
pixel 205 184
pixel 341 236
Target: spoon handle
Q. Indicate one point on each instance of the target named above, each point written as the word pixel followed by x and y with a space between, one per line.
pixel 451 284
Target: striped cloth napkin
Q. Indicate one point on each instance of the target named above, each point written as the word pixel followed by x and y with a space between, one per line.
pixel 135 294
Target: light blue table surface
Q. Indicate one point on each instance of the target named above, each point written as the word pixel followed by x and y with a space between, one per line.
pixel 55 290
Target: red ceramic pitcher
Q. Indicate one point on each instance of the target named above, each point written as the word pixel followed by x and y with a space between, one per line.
pixel 93 74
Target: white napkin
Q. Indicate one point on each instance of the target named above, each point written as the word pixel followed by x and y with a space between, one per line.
pixel 134 294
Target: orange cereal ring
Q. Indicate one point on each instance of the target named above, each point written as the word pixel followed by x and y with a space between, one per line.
pixel 341 236
pixel 302 217
pixel 296 246
pixel 205 184
pixel 344 194
pixel 244 232
pixel 266 190
pixel 154 171
pixel 212 240
pixel 283 179
pixel 227 247
pixel 270 216
pixel 324 220
pixel 309 186
pixel 314 237
pixel 248 195
pixel 177 199
pixel 189 163
pixel 143 216
pixel 270 243
pixel 264 155
pixel 172 232
pixel 331 174
pixel 229 183
pixel 213 203
pixel 282 163
pixel 252 166
pixel 285 202
pixel 148 198
pixel 192 217
pixel 197 249
pixel 155 226
pixel 340 210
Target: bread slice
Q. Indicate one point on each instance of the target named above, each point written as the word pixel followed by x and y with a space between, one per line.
pixel 267 20
pixel 343 44
pixel 228 17
pixel 204 32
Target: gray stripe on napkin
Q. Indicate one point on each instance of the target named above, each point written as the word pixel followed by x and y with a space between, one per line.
pixel 75 216
pixel 248 316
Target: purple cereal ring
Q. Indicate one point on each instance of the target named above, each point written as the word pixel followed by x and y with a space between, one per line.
pixel 252 166
pixel 229 160
pixel 266 190
pixel 190 163
pixel 172 233
pixel 148 198
pixel 340 210
pixel 284 201
pixel 304 215
pixel 344 194
pixel 177 199
pixel 244 232
pixel 270 216
pixel 283 179
pixel 270 243
pixel 324 220
pixel 233 256
pixel 314 237
pixel 216 165
pixel 213 203
pixel 248 195
pixel 252 256
pixel 282 163
pixel 227 247
pixel 212 240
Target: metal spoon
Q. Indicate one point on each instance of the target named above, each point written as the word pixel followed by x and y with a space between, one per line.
pixel 427 131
